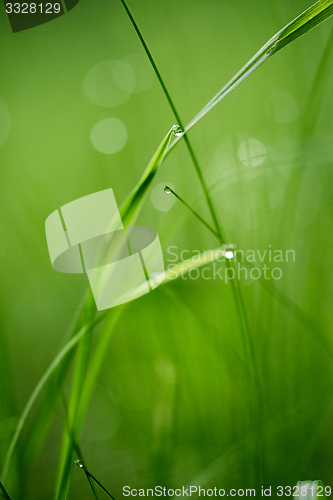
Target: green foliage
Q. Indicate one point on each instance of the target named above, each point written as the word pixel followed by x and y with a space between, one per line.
pixel 258 356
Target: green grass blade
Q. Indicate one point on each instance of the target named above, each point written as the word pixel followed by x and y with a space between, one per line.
pixel 131 207
pixel 73 429
pixel 44 413
pixel 7 403
pixel 309 19
pixel 100 485
pixel 94 368
pixel 218 227
pixel 67 458
pixel 84 377
pixel 80 368
pixel 40 386
pixel 3 492
pixel 200 219
pixel 311 114
pixel 312 17
pixel 87 474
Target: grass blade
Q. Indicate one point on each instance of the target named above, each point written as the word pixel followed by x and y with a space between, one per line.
pixel 4 493
pixel 131 207
pixel 91 478
pixel 193 157
pixel 83 384
pixel 87 474
pixel 168 189
pixel 40 386
pixel 312 17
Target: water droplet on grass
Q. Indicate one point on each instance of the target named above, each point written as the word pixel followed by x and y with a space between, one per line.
pixel 167 190
pixel 158 199
pixel 79 463
pixel 177 131
pixel 228 250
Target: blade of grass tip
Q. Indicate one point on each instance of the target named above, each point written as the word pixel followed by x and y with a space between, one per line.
pixel 131 207
pixel 41 384
pixel 312 17
pixel 80 393
pixel 193 157
pixel 4 493
pixel 169 190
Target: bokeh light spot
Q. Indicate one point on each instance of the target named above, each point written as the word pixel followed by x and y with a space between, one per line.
pixel 124 76
pixel 283 107
pixel 252 152
pixel 109 83
pixel 142 69
pixel 109 136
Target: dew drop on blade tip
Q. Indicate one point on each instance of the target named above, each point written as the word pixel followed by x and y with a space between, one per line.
pixel 167 190
pixel 79 463
pixel 177 131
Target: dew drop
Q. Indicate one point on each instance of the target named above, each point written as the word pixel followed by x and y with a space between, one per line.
pixel 177 131
pixel 228 250
pixel 167 190
pixel 79 463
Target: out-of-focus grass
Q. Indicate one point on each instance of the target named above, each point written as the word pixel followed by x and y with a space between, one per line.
pixel 177 401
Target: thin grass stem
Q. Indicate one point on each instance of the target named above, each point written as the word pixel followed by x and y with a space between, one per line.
pixel 195 162
pixel 82 466
pixel 84 375
pixel 91 477
pixel 4 493
pixel 101 486
pixel 167 188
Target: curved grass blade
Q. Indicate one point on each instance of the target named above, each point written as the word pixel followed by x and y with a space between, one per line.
pixel 41 384
pixel 131 207
pixel 96 363
pixel 312 17
pixel 83 384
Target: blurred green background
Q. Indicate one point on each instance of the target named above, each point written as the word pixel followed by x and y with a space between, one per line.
pixel 176 402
